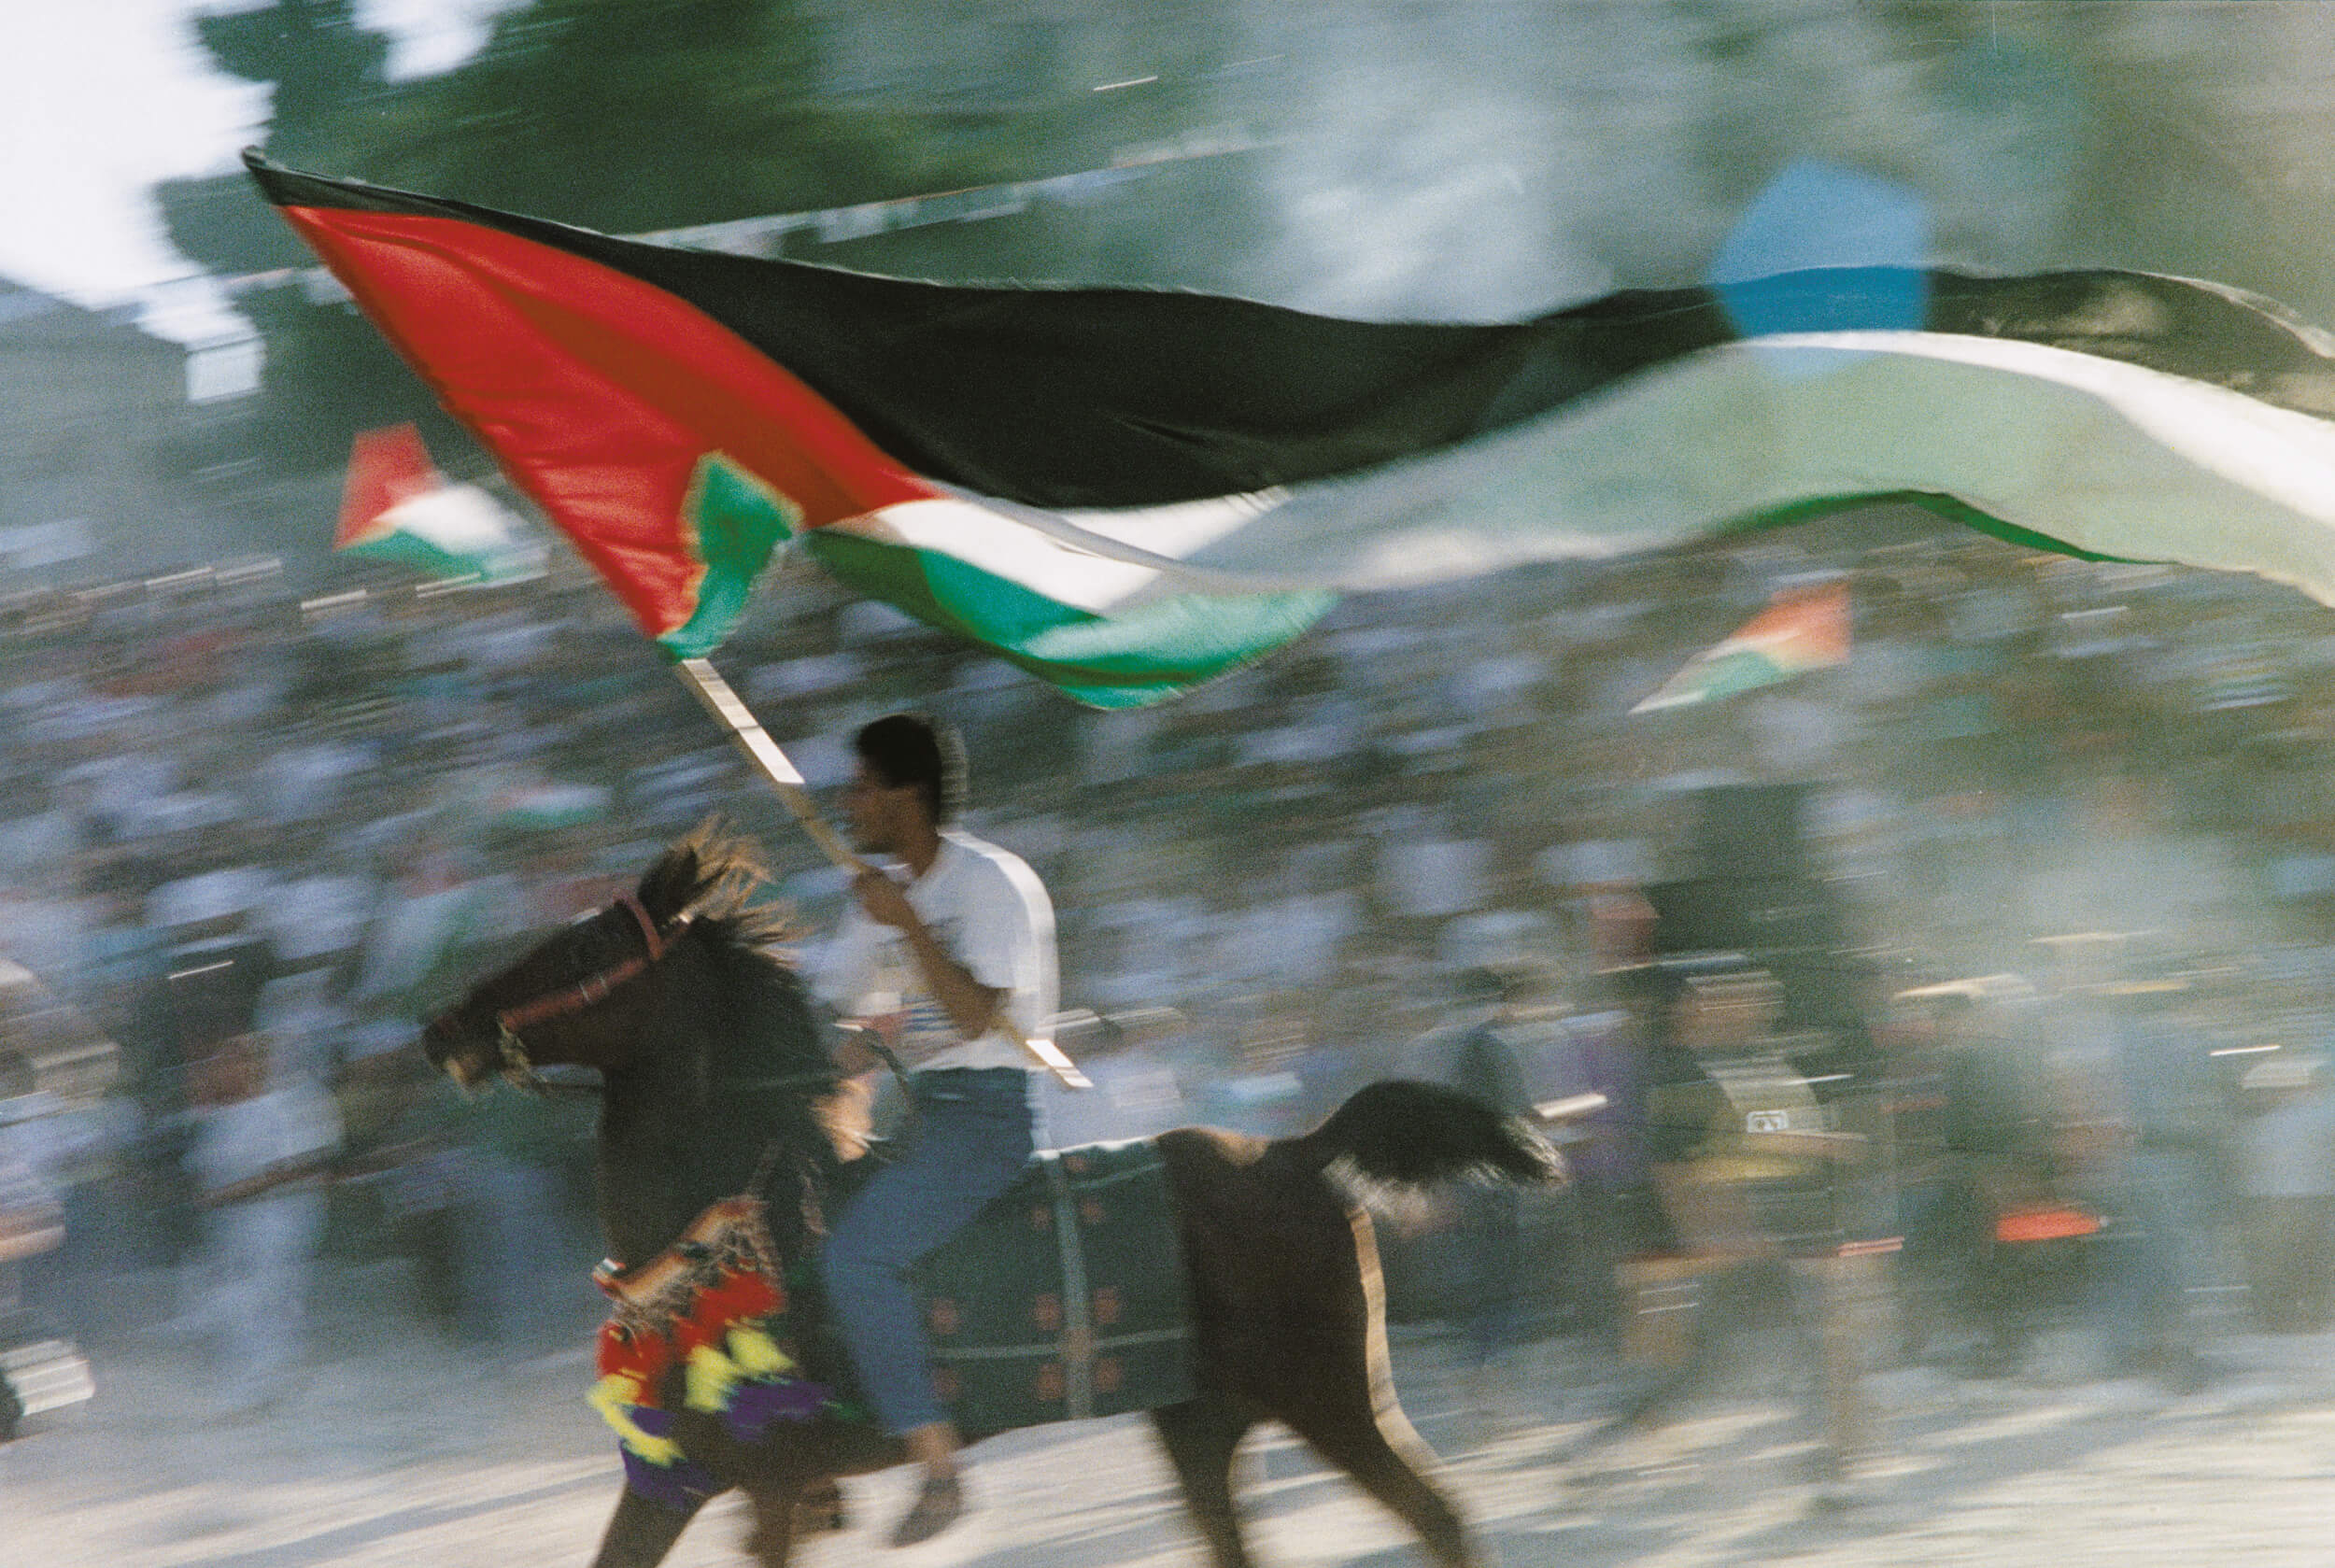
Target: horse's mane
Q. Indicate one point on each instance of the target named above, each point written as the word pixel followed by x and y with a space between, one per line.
pixel 745 1062
pixel 712 874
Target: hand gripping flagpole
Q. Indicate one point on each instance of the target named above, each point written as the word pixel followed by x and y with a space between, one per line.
pixel 728 706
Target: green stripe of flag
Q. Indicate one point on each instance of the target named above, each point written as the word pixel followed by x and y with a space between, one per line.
pixel 1125 659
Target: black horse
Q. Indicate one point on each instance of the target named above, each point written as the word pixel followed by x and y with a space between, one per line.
pixel 716 1070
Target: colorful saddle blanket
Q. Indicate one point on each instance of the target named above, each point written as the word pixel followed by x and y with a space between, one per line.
pixel 1064 1298
pixel 705 1320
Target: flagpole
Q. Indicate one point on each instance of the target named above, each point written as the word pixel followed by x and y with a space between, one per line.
pixel 706 683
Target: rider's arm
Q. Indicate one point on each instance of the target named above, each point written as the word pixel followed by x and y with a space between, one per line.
pixel 972 1006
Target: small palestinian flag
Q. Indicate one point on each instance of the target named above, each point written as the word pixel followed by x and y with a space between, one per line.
pixel 396 506
pixel 1127 491
pixel 1800 630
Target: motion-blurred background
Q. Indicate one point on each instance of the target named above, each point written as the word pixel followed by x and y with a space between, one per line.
pixel 230 756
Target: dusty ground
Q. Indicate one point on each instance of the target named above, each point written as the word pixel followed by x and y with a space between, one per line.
pixel 407 1453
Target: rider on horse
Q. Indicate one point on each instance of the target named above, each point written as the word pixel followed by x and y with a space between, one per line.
pixel 934 954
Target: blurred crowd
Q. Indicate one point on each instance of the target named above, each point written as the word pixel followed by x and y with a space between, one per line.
pixel 2069 820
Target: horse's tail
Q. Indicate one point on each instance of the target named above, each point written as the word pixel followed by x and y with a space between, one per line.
pixel 1400 1132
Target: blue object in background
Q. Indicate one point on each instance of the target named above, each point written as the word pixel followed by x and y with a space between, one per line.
pixel 1819 215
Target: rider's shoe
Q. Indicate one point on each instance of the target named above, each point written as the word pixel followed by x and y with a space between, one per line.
pixel 939 1505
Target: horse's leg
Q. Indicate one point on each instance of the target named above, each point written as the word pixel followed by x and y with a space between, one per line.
pixel 1200 1435
pixel 1344 1429
pixel 773 1535
pixel 1343 1404
pixel 640 1533
pixel 820 1509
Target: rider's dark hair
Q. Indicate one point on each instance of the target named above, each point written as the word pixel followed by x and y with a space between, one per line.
pixel 915 749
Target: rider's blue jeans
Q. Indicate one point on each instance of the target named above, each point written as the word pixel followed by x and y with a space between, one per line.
pixel 976 1128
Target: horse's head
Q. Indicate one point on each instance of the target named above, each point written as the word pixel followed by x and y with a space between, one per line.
pixel 583 996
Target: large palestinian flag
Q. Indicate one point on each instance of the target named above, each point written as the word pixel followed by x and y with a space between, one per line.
pixel 1127 491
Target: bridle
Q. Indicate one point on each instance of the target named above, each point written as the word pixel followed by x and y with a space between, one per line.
pixel 588 992
pixel 656 941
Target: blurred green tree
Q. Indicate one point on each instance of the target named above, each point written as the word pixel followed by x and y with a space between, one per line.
pixel 623 115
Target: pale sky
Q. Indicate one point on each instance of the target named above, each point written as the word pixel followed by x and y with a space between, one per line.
pixel 99 99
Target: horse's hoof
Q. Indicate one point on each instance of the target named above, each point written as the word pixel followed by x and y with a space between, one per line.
pixel 820 1510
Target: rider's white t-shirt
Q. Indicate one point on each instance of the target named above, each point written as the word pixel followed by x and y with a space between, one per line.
pixel 989 911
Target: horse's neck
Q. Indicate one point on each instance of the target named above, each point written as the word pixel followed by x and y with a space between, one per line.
pixel 665 1155
pixel 675 1138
